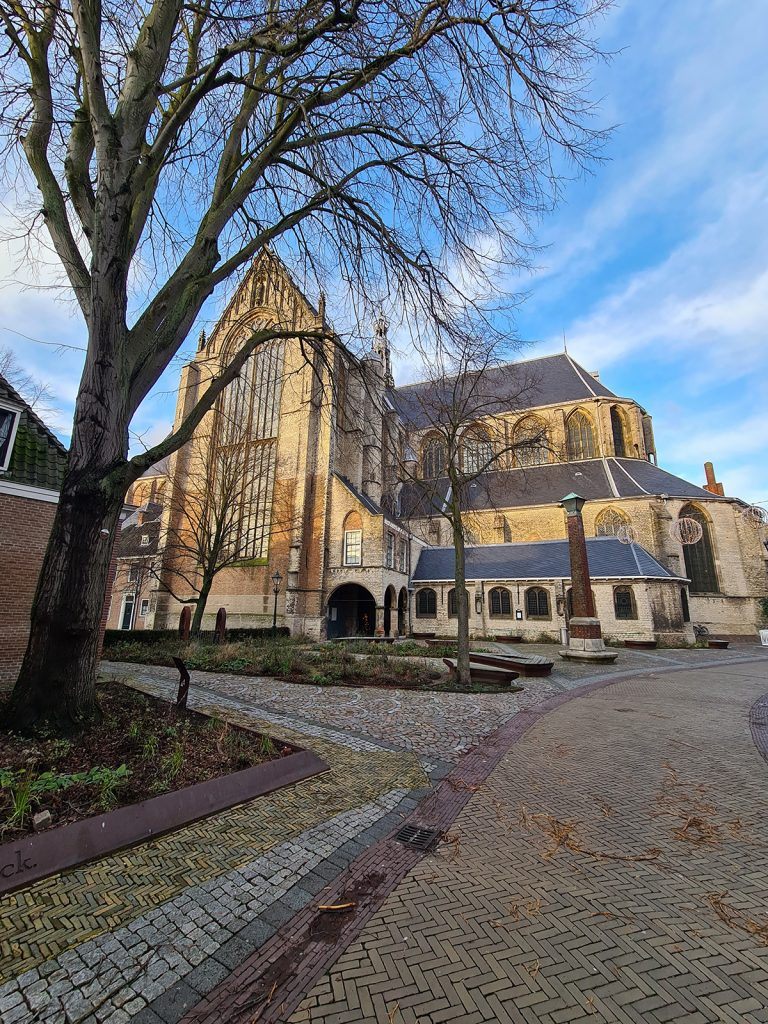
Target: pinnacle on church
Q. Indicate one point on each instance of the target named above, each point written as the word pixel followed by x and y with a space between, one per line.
pixel 381 347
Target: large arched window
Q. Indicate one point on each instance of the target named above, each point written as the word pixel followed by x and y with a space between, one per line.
pixel 247 417
pixel 624 603
pixel 579 437
pixel 477 451
pixel 699 557
pixel 609 522
pixel 433 459
pixel 530 442
pixel 500 603
pixel 619 433
pixel 426 603
pixel 537 603
pixel 353 539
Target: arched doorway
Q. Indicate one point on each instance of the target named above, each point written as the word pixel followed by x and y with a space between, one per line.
pixel 402 612
pixel 390 600
pixel 351 611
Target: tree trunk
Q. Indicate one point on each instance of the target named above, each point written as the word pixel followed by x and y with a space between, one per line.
pixel 56 684
pixel 462 603
pixel 202 600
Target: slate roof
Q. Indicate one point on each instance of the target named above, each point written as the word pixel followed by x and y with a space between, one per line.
pixel 368 503
pixel 129 541
pixel 593 479
pixel 38 459
pixel 548 380
pixel 540 560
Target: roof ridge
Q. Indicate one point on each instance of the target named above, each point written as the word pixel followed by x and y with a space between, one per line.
pixel 609 477
pixel 635 482
pixel 581 376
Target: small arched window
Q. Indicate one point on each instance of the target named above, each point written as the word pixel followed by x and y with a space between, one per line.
pixel 684 605
pixel 579 437
pixel 537 603
pixel 353 539
pixel 624 603
pixel 426 603
pixel 699 557
pixel 453 604
pixel 477 451
pixel 530 442
pixel 609 522
pixel 500 602
pixel 433 459
pixel 619 433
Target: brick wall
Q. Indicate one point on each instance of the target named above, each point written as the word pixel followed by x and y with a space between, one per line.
pixel 25 525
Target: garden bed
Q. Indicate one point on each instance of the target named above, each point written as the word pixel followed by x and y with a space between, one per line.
pixel 142 770
pixel 294 661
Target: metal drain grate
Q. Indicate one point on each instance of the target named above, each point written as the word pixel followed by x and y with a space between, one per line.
pixel 420 838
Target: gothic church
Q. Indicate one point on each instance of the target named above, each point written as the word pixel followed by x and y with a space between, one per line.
pixel 323 501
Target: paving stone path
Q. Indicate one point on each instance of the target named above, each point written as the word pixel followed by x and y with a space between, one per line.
pixel 612 868
pixel 144 935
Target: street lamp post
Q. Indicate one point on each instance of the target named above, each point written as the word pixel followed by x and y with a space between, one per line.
pixel 277 579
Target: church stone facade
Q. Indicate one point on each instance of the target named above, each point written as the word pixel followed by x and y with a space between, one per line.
pixel 338 461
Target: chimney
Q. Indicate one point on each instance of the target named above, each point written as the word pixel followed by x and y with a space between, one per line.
pixel 595 374
pixel 712 485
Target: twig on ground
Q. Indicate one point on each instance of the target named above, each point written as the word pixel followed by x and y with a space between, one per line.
pixel 737 919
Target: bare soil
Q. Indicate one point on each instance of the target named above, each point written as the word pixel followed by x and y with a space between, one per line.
pixel 162 751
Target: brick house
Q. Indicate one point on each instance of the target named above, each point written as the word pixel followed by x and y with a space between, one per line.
pixel 134 590
pixel 32 465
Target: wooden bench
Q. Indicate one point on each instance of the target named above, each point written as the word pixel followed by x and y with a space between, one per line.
pixel 523 664
pixel 485 673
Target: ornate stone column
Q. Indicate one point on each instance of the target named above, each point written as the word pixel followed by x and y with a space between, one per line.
pixel 585 640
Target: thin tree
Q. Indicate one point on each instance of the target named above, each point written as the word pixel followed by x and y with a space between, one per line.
pixel 164 143
pixel 460 420
pixel 35 392
pixel 209 519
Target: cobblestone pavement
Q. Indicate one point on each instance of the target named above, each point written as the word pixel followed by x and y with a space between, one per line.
pixel 612 868
pixel 143 935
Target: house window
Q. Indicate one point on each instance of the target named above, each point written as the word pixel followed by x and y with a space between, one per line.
pixel 617 429
pixel 624 603
pixel 699 557
pixel 390 550
pixel 144 608
pixel 353 547
pixel 9 421
pixel 426 603
pixel 500 603
pixel 537 603
pixel 579 437
pixel 133 574
pixel 684 605
pixel 530 442
pixel 144 540
pixel 433 460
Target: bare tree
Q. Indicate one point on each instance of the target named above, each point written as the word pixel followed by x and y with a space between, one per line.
pixel 170 141
pixel 461 422
pixel 35 393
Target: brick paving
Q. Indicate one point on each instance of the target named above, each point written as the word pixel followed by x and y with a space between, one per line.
pixel 144 935
pixel 611 868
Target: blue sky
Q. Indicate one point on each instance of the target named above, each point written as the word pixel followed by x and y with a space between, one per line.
pixel 655 267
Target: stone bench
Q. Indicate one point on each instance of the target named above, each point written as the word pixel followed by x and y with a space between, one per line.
pixel 485 673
